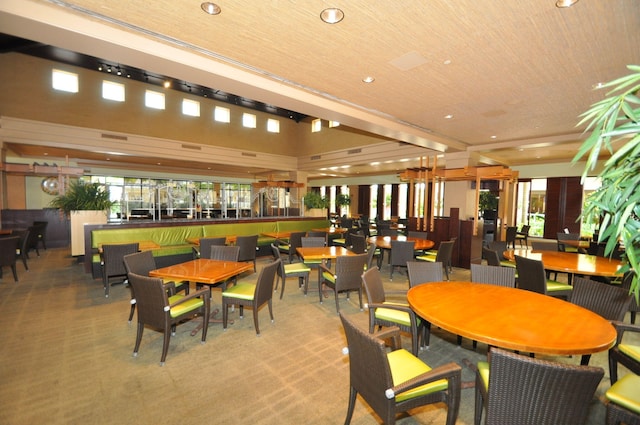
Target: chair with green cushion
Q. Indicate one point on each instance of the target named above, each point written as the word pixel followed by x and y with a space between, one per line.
pixel 532 277
pixel 345 278
pixel 142 263
pixel 500 247
pixel 522 235
pixel 358 244
pixel 253 295
pixel 113 263
pixel 628 355
pixel 371 252
pixel 8 257
pixel 420 272
pixel 443 255
pixel 295 241
pixel 299 270
pixel 563 247
pixel 493 275
pixel 21 251
pixel 623 401
pixel 160 308
pixel 248 247
pixel 521 390
pixel 385 313
pixel 396 381
pixel 204 248
pixel 634 308
pixel 510 236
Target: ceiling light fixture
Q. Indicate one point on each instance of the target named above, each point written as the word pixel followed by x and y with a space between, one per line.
pixel 332 15
pixel 211 8
pixel 565 3
pixel 368 79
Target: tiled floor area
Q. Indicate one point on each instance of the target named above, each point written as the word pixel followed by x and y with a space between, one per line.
pixel 66 359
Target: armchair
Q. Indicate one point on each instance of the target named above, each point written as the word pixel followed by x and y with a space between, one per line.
pixel 521 390
pixel 626 354
pixel 623 401
pixel 113 263
pixel 8 247
pixel 299 270
pixel 345 278
pixel 396 381
pixel 295 241
pixel 164 311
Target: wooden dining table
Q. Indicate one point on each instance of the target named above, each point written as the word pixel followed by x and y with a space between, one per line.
pixel 512 318
pixel 570 262
pixel 384 242
pixel 203 270
pixel 323 254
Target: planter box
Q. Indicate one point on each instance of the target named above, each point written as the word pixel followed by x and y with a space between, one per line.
pixel 78 220
pixel 316 212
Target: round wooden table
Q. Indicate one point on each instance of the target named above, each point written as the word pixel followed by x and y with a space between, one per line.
pixel 570 262
pixel 384 242
pixel 512 318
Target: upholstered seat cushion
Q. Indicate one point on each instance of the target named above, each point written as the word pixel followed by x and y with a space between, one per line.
pixel 625 393
pixel 330 277
pixel 483 370
pixel 552 286
pixel 296 268
pixel 185 307
pixel 427 257
pixel 405 366
pixel 244 291
pixel 632 351
pixel 395 316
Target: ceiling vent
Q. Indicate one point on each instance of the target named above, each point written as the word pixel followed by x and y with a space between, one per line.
pixel 113 136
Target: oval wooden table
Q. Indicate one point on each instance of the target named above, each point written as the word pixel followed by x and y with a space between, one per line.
pixel 570 262
pixel 512 318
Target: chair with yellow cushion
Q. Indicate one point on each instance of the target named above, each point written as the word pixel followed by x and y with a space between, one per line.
pixel 386 313
pixel 346 277
pixel 532 277
pixel 623 401
pixel 628 355
pixel 521 390
pixel 396 381
pixel 160 308
pixel 299 270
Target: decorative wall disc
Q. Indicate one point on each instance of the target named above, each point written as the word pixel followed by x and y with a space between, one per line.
pixel 50 185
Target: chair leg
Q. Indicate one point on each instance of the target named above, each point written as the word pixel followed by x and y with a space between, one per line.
pixel 613 369
pixel 283 278
pixel 335 292
pixel 352 403
pixel 15 273
pixel 255 320
pixel 133 309
pixel 138 339
pixel 165 344
pixel 360 296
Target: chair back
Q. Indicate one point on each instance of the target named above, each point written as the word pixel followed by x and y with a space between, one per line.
pixel 423 272
pixel 277 256
pixel 295 240
pixel 140 263
pixel 225 253
pixel 445 250
pixel 528 391
pixel 248 247
pixel 418 234
pixel 151 300
pixel 113 256
pixel 371 252
pixel 499 246
pixel 511 233
pixel 348 272
pixel 606 300
pixel 32 239
pixel 626 285
pixel 387 232
pixel 264 284
pixel 323 235
pixel 346 223
pixel 494 275
pixel 492 257
pixel 8 248
pixel 24 240
pixel 544 246
pixel 207 243
pixel 401 252
pixel 524 230
pixel 531 275
pixel 373 286
pixel 369 370
pixel 313 242
pixel 358 244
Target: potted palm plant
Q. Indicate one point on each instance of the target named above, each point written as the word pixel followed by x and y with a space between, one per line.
pixel 83 203
pixel 342 200
pixel 614 123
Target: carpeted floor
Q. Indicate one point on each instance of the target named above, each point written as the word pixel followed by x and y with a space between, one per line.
pixel 66 359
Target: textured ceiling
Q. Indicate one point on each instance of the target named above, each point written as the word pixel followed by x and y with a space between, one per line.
pixel 514 75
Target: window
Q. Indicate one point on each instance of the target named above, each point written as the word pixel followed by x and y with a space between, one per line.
pixel 154 99
pixel 221 114
pixel 333 124
pixel 316 125
pixel 64 81
pixel 112 91
pixel 191 107
pixel 248 120
pixel 273 126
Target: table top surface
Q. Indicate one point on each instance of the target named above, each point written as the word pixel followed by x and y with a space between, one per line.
pixel 203 270
pixel 512 318
pixel 323 253
pixel 570 262
pixel 230 240
pixel 277 235
pixel 331 230
pixel 384 242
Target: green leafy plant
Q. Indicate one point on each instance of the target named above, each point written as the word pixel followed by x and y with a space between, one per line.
pixel 313 199
pixel 342 200
pixel 487 201
pixel 83 196
pixel 614 123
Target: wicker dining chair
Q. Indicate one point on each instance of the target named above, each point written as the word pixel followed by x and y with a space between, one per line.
pixel 8 247
pixel 383 313
pixel 521 390
pixel 41 230
pixel 141 263
pixel 253 295
pixel 345 277
pixel 500 247
pixel 443 256
pixel 113 263
pixel 205 244
pixel 422 272
pixel 623 401
pixel 295 241
pixel 160 308
pixel 248 248
pixel 22 250
pixel 401 253
pixel 494 275
pixel 299 270
pixel 628 355
pixel 510 236
pixel 396 381
pixel 358 244
pixel 532 277
pixel 522 235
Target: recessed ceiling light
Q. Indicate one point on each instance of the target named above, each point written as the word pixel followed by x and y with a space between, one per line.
pixel 565 3
pixel 494 137
pixel 332 15
pixel 368 79
pixel 211 8
pixel 448 117
pixel 447 62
